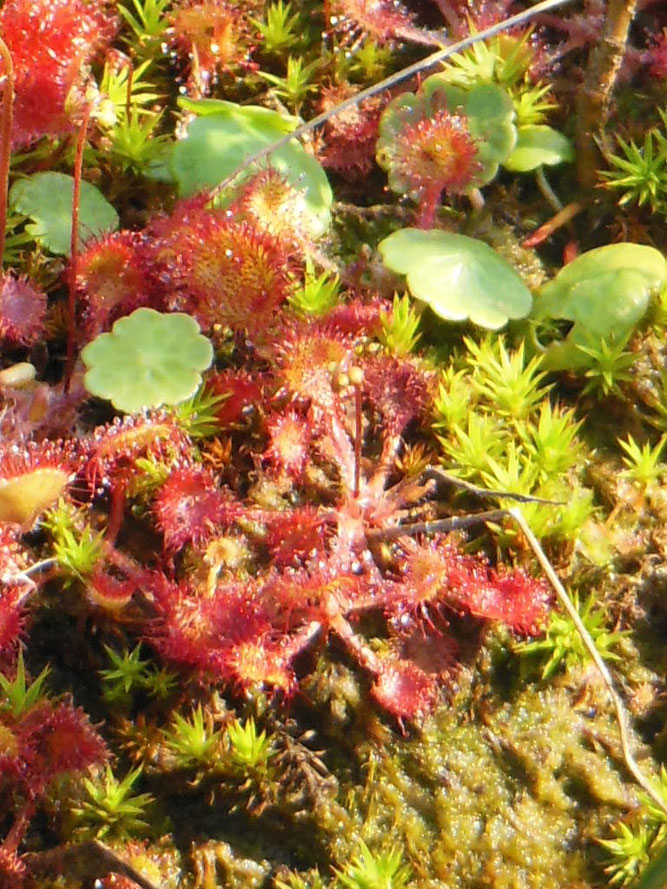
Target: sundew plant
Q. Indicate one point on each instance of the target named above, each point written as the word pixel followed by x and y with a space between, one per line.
pixel 333 398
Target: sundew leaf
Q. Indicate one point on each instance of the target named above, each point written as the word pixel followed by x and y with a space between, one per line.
pixel 47 199
pixel 538 145
pixel 459 277
pixel 149 359
pixel 487 109
pixel 605 292
pixel 223 134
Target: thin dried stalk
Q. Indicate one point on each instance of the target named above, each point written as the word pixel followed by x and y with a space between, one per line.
pixel 388 83
pixel 567 604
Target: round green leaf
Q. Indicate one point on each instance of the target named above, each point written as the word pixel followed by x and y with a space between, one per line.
pixel 605 292
pixel 147 360
pixel 459 277
pixel 537 145
pixel 47 199
pixel 224 134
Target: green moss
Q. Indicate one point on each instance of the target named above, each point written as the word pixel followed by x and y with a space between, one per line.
pixel 507 798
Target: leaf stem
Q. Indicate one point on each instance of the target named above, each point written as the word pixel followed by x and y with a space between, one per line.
pixel 74 246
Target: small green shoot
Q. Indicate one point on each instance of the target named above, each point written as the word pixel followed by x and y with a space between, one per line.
pixel 297 83
pixel 148 21
pixel 279 29
pixel 382 870
pixel 318 294
pixel 134 144
pixel 76 546
pixel 511 385
pixel 608 365
pixel 192 742
pixel 114 85
pixel 532 104
pixel 198 416
pixel 504 59
pixel 17 696
pixel 629 851
pixel 127 673
pixel 471 444
pixel 77 551
pixel 312 879
pixel 644 464
pixel 657 814
pixel 151 474
pixel 250 750
pixel 562 644
pixel 370 62
pixel 112 810
pixel 399 327
pixel 452 402
pixel 552 441
pixel 149 359
pixel 640 172
pixel 638 846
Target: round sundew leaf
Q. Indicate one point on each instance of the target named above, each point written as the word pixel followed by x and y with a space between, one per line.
pixel 605 292
pixel 490 116
pixel 459 277
pixel 47 199
pixel 536 146
pixel 224 134
pixel 149 359
pixel 488 112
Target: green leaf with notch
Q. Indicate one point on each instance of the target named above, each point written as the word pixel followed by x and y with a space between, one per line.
pixel 459 277
pixel 223 134
pixel 47 199
pixel 605 292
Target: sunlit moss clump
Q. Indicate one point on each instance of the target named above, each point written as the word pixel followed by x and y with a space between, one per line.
pixel 504 800
pixel 499 429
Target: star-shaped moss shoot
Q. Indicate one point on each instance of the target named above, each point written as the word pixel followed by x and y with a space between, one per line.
pixel 149 359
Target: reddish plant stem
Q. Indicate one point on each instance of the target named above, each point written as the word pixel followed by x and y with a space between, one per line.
pixel 74 246
pixel 551 225
pixel 116 510
pixel 358 431
pixel 17 831
pixel 5 138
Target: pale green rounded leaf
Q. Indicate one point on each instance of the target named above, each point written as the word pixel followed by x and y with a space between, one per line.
pixel 538 145
pixel 149 359
pixel 47 199
pixel 218 140
pixel 605 292
pixel 459 277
